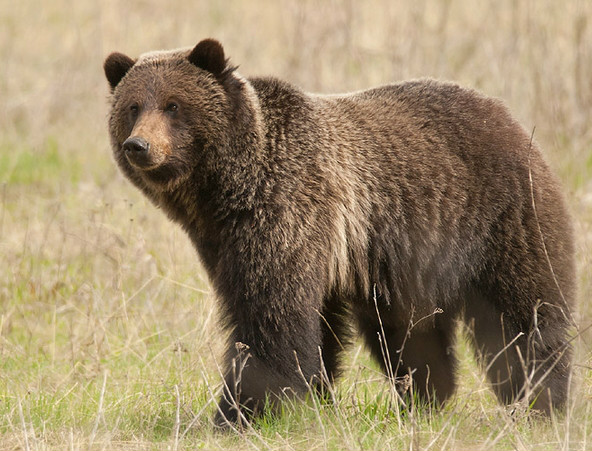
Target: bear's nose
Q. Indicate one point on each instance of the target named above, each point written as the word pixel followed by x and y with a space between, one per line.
pixel 136 145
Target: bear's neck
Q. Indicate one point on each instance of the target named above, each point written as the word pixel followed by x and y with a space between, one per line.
pixel 237 174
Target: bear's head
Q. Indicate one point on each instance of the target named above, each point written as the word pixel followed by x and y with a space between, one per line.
pixel 170 112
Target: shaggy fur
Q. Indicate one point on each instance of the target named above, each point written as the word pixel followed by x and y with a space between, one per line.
pixel 379 208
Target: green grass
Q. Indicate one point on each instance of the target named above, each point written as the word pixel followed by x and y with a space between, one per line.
pixel 28 166
pixel 108 330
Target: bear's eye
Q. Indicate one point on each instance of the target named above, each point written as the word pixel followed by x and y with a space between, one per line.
pixel 172 107
pixel 134 108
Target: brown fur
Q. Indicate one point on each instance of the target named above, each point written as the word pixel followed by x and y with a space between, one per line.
pixel 312 213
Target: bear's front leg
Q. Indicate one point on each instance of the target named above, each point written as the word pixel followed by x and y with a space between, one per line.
pixel 250 383
pixel 269 359
pixel 272 300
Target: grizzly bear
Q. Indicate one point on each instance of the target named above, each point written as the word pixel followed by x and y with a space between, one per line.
pixel 396 211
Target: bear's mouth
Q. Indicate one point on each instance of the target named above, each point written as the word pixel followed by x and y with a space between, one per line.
pixel 165 174
pixel 140 161
pixel 172 170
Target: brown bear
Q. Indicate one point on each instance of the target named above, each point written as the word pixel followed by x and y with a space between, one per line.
pixel 397 210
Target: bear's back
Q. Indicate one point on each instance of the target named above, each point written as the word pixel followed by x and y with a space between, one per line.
pixel 433 166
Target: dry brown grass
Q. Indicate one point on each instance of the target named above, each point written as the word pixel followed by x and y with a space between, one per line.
pixel 108 336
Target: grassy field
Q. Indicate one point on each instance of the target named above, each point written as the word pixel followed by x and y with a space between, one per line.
pixel 108 329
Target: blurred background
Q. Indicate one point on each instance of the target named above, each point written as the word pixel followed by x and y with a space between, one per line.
pixel 537 55
pixel 90 272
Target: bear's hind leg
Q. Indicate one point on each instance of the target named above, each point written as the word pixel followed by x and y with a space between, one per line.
pixel 522 360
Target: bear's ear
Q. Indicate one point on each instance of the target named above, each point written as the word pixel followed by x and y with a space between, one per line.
pixel 208 55
pixel 116 66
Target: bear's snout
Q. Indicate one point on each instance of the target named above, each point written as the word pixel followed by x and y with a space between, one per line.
pixel 135 144
pixel 136 151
